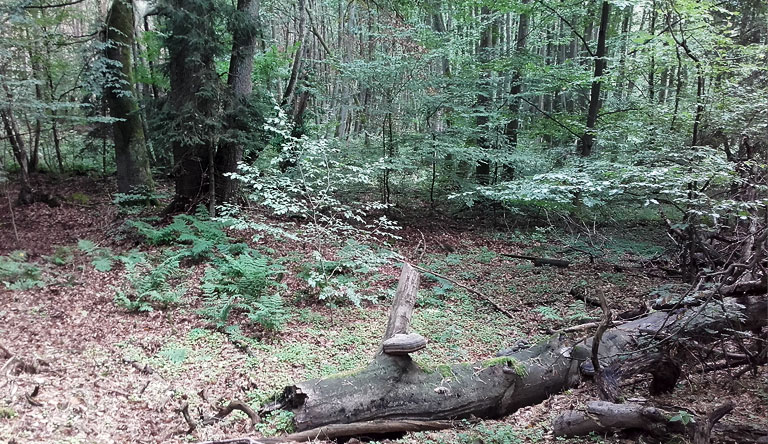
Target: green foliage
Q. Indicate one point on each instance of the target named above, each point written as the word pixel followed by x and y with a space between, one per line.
pixel 150 284
pixel 243 283
pixel 197 238
pixel 7 413
pixel 237 278
pixel 485 256
pixel 16 273
pixel 134 202
pixel 102 258
pixel 683 417
pixel 276 423
pixel 176 355
pixel 549 313
pixel 63 255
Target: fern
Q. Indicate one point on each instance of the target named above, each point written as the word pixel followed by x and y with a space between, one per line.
pixel 241 283
pixel 269 312
pixel 150 286
pixel 102 258
pixel 17 274
pixel 238 278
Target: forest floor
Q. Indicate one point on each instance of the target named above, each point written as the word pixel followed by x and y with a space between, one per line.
pixel 95 373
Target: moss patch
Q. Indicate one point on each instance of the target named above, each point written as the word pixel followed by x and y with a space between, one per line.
pixel 506 361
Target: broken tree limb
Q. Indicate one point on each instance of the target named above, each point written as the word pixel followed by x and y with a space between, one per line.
pixel 367 428
pixel 495 305
pixel 606 417
pixel 703 427
pixel 231 407
pixel 540 261
pixel 405 300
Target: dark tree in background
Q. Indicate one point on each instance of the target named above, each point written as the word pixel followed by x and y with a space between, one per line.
pixel 193 98
pixel 230 150
pixel 131 156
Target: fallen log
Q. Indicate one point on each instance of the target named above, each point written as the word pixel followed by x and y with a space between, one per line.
pixel 540 261
pixel 397 388
pixel 606 417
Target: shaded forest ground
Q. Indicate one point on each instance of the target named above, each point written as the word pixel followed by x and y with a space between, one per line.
pixel 107 375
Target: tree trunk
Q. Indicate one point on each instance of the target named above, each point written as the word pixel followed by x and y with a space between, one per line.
pixel 230 151
pixel 131 156
pixel 192 100
pixel 483 168
pixel 588 138
pixel 395 387
pixel 18 148
pixel 298 57
pixel 511 130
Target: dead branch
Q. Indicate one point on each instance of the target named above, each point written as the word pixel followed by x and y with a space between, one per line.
pixel 540 261
pixel 495 305
pixel 184 410
pixel 232 406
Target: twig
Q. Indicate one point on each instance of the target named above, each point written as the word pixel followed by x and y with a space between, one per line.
pixel 586 326
pixel 184 410
pixel 232 406
pixel 469 289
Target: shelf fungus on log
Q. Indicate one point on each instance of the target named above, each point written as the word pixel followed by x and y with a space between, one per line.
pixel 403 344
pixel 394 388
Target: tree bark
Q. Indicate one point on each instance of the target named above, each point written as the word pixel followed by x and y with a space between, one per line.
pixel 483 168
pixel 230 150
pixel 131 155
pixel 395 387
pixel 192 99
pixel 298 57
pixel 512 128
pixel 588 138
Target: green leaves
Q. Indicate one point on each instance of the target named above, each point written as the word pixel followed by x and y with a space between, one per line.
pixel 102 257
pixel 683 417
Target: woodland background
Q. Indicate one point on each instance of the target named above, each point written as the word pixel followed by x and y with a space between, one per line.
pixel 221 191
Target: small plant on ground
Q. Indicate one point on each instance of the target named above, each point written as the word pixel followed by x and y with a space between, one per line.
pixel 149 285
pixel 276 423
pixel 61 256
pixel 245 283
pixel 137 200
pixel 102 258
pixel 16 273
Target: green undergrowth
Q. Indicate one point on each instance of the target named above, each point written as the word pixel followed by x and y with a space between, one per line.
pixel 18 273
pixel 237 279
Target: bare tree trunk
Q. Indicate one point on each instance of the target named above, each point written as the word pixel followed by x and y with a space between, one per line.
pixel 18 147
pixel 483 168
pixel 588 138
pixel 512 128
pixel 298 58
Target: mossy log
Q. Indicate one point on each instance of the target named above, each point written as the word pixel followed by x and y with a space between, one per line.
pixel 396 388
